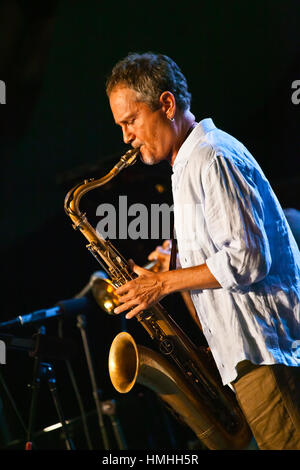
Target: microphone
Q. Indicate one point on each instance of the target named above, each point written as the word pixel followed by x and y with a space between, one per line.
pixel 65 308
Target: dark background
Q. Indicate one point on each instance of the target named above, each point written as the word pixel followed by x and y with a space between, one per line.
pixel 240 59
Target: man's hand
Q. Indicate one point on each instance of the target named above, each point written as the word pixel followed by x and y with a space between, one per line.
pixel 162 254
pixel 149 287
pixel 140 293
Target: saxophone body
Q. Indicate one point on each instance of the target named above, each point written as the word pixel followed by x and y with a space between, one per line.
pixel 184 376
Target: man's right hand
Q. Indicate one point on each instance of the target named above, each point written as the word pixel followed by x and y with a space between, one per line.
pixel 162 254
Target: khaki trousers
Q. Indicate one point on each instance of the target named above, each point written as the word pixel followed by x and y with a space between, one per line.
pixel 269 397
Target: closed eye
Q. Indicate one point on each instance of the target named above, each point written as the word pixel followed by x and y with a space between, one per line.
pixel 128 121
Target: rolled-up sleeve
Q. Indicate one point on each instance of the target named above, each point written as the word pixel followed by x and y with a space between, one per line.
pixel 234 215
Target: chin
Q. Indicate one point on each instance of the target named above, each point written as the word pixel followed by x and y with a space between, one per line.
pixel 149 161
pixel 148 158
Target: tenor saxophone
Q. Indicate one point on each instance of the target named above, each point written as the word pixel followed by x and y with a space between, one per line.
pixel 183 375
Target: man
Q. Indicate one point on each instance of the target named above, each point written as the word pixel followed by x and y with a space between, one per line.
pixel 238 257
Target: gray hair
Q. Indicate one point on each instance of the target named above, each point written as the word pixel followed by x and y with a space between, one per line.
pixel 150 74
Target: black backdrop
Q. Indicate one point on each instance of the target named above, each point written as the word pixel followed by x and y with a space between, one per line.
pixel 240 59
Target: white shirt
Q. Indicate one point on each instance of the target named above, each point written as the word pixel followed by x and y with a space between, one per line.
pixel 227 216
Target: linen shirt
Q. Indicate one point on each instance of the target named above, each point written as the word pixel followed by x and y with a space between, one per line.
pixel 227 216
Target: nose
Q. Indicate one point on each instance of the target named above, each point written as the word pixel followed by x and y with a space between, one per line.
pixel 128 136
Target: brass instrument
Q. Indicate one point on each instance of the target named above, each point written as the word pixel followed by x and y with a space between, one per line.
pixel 184 376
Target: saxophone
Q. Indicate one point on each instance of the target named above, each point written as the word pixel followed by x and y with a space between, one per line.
pixel 183 375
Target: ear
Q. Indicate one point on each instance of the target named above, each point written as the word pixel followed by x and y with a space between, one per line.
pixel 168 104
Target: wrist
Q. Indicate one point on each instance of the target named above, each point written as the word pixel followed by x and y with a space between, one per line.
pixel 167 286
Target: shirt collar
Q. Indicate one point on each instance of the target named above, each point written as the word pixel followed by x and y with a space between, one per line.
pixel 199 131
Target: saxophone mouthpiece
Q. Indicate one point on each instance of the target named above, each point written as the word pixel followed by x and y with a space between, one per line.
pixel 130 156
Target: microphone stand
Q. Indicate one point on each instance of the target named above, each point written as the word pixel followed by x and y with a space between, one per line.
pixel 108 408
pixel 81 324
pixel 77 392
pixel 32 411
pixel 13 403
pixel 39 347
pixel 44 371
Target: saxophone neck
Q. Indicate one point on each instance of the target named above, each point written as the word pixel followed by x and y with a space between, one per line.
pixel 73 197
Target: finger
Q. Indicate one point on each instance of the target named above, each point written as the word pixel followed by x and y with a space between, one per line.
pixel 139 270
pixel 166 244
pixel 156 255
pixel 124 298
pixel 133 266
pixel 133 312
pixel 123 289
pixel 153 256
pixel 126 306
pixel 162 251
pixel 155 252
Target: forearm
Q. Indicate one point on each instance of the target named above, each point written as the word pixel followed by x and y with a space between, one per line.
pixel 149 288
pixel 185 279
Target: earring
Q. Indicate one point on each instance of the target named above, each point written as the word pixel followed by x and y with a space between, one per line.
pixel 171 119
